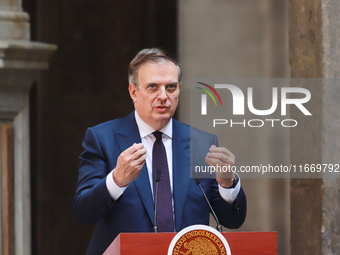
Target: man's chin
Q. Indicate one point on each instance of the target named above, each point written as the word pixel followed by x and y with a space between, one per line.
pixel 163 119
pixel 163 116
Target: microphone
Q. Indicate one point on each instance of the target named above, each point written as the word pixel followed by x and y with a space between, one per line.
pixel 218 227
pixel 158 177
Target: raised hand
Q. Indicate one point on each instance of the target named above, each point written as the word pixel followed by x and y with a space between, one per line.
pixel 129 164
pixel 222 159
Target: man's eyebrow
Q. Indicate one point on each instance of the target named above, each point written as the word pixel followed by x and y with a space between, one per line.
pixel 158 84
pixel 172 83
pixel 153 83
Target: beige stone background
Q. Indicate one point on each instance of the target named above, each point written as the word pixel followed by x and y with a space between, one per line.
pixel 86 47
pixel 242 39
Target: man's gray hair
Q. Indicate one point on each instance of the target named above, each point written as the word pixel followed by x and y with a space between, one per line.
pixel 153 55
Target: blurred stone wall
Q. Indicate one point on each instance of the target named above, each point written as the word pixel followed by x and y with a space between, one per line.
pixel 242 39
pixel 86 84
pixel 314 53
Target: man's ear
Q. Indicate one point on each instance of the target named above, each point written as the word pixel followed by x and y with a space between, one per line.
pixel 132 91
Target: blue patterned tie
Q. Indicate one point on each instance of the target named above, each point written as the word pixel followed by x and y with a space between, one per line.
pixel 165 221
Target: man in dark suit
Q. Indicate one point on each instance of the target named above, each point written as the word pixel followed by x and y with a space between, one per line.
pixel 118 168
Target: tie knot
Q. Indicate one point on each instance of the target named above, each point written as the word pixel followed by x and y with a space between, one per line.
pixel 158 135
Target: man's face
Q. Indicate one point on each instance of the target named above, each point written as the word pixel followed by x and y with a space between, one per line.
pixel 156 98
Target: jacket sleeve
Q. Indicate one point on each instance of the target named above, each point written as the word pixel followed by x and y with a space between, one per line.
pixel 230 215
pixel 92 200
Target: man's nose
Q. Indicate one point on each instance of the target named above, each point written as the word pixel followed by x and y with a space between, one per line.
pixel 162 94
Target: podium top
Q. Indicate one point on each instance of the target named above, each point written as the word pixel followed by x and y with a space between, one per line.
pixel 241 243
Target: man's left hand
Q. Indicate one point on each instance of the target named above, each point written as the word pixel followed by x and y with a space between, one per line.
pixel 222 159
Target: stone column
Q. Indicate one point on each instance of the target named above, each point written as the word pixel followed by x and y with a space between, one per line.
pixel 20 63
pixel 315 53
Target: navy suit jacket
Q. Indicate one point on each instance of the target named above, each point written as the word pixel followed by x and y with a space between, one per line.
pixel 133 211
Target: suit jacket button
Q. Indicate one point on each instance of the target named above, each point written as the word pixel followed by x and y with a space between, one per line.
pixel 104 207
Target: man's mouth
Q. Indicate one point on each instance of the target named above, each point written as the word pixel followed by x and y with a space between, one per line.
pixel 162 107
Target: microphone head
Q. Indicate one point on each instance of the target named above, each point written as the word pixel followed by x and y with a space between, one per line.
pixel 158 176
pixel 198 181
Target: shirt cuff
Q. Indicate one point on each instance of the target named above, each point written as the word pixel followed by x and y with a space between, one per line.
pixel 114 190
pixel 230 195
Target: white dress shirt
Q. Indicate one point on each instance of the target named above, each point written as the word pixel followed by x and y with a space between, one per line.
pixel 148 139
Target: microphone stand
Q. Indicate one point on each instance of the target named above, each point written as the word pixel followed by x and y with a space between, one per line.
pixel 158 177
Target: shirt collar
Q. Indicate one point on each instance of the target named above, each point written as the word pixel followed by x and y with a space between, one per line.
pixel 145 129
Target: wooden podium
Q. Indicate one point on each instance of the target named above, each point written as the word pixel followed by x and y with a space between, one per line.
pixel 241 243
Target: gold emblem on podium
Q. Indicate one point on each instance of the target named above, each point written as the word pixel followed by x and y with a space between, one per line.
pixel 199 240
pixel 199 246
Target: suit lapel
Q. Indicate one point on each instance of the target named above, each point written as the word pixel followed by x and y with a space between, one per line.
pixel 181 166
pixel 127 136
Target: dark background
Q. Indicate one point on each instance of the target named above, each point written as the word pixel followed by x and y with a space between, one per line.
pixel 86 84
